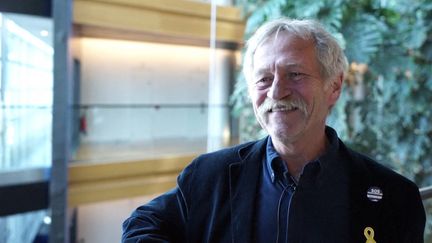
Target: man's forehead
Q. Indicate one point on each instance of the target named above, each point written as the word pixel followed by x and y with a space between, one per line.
pixel 288 45
pixel 284 64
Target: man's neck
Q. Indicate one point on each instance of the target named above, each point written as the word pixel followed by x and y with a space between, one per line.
pixel 298 153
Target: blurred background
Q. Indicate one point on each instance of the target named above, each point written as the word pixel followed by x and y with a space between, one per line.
pixel 104 102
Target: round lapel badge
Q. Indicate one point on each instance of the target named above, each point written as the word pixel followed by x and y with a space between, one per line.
pixel 374 194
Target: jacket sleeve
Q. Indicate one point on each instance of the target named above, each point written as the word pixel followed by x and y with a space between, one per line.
pixel 161 220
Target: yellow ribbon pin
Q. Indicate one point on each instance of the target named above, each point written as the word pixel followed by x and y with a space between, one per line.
pixel 369 234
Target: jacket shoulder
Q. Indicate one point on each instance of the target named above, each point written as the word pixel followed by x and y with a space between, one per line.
pixel 380 173
pixel 224 157
pixel 213 166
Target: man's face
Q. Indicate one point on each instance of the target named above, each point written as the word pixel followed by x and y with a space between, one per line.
pixel 290 99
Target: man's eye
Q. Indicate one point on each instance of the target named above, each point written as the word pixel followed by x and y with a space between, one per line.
pixel 296 76
pixel 264 81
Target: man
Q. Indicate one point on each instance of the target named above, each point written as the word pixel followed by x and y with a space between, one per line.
pixel 301 183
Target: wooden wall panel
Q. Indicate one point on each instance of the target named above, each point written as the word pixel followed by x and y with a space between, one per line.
pixel 168 18
pixel 96 182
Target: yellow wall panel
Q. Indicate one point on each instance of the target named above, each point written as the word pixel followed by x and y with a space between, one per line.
pixel 176 19
pixel 96 182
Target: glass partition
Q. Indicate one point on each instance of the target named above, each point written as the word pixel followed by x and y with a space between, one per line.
pixel 135 132
pixel 26 91
pixel 141 99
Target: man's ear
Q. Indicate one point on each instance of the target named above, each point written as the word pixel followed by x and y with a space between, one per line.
pixel 336 89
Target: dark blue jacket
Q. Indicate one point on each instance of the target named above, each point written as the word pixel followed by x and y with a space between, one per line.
pixel 214 202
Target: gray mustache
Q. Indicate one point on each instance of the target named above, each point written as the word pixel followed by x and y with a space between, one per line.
pixel 289 104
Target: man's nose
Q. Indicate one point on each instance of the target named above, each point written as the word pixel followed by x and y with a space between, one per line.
pixel 279 89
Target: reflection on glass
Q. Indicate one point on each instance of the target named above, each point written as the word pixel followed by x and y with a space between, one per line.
pixel 21 227
pixel 26 93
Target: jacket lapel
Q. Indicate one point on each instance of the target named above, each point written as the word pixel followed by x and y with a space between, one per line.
pixel 244 177
pixel 364 212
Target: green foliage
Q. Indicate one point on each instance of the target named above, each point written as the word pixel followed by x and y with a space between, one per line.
pixel 385 111
pixel 364 34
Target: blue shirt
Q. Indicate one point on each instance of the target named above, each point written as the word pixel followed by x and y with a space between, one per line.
pixel 273 200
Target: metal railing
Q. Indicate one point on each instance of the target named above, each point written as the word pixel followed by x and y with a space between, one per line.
pixel 426 192
pixel 26 189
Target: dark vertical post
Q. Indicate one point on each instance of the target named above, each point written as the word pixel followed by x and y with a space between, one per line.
pixel 61 136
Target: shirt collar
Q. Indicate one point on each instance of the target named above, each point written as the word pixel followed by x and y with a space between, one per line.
pixel 274 161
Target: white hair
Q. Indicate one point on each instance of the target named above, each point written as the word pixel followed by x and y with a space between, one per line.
pixel 330 55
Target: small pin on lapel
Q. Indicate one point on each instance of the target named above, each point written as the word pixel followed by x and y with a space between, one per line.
pixel 374 194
